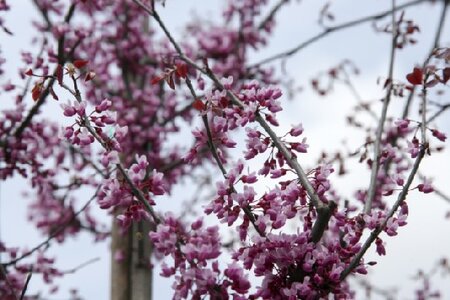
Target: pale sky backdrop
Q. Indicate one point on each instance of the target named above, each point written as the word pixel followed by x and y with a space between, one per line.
pixel 419 245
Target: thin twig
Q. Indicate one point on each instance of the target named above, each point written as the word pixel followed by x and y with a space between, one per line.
pixel 88 161
pixel 436 191
pixel 380 129
pixel 442 109
pixel 61 60
pixel 423 125
pixel 25 287
pixel 441 194
pixel 73 270
pixel 330 30
pixel 54 233
pixel 44 12
pixel 436 43
pixel 272 13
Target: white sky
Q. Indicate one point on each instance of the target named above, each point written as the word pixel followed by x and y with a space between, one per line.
pixel 424 240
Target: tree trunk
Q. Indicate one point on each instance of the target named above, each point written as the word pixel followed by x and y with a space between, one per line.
pixel 131 276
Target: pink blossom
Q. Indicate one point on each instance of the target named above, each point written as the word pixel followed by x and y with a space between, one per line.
pixel 439 135
pixel 425 187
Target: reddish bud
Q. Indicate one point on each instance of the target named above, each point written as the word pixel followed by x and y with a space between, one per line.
pixel 29 72
pixel 416 77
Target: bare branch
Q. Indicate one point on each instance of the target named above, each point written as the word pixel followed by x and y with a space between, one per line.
pixel 272 13
pixel 73 270
pixel 54 233
pixel 441 110
pixel 330 30
pixel 380 129
pixel 436 43
pixel 25 287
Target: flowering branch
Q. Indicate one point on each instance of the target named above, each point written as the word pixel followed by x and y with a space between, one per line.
pixel 86 123
pixel 323 211
pixel 376 232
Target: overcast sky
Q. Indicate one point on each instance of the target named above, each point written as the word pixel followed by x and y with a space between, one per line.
pixel 418 245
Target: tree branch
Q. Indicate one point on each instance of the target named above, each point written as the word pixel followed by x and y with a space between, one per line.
pixel 272 13
pixel 324 211
pixel 61 60
pixel 54 233
pixel 376 232
pixel 330 30
pixel 376 153
pixel 436 43
pixel 25 287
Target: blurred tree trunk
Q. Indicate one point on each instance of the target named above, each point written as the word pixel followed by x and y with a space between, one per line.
pixel 131 277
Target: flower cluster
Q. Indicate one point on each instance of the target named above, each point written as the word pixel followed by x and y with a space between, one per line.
pixel 195 254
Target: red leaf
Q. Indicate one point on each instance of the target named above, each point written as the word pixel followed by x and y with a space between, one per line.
pixel 156 79
pixel 199 105
pixel 79 63
pixel 416 77
pixel 29 72
pixel 445 75
pixel 181 70
pixel 59 74
pixel 36 92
